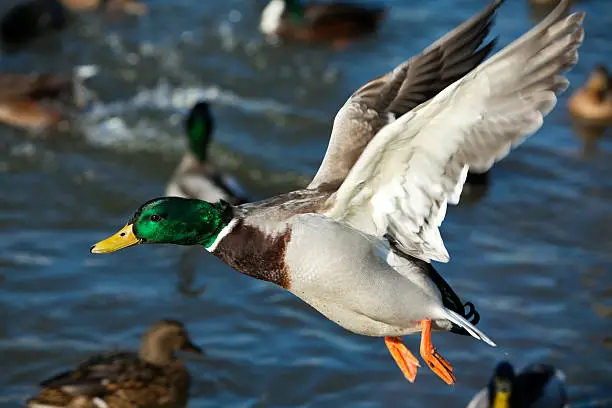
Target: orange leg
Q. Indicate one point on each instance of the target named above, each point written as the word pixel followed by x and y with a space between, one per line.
pixel 434 360
pixel 403 357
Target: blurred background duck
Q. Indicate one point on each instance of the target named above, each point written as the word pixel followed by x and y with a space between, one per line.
pixel 593 102
pixel 538 9
pixel 151 377
pixel 334 22
pixel 590 109
pixel 536 386
pixel 133 7
pixel 196 176
pixel 32 19
pixel 38 101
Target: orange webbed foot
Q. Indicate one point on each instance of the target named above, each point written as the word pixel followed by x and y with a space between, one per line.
pixel 403 357
pixel 434 360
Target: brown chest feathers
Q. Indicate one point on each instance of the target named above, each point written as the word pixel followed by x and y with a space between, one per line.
pixel 257 254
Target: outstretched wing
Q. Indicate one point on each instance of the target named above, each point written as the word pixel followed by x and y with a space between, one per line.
pixel 417 80
pixel 403 180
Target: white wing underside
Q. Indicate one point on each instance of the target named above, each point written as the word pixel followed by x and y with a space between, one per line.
pixel 414 166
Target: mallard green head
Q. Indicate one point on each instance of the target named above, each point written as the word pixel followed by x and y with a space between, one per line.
pixel 170 220
pixel 199 127
pixel 500 387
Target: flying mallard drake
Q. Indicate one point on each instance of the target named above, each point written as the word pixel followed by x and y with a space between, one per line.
pixel 356 244
pixel 151 377
pixel 36 101
pixel 536 386
pixel 336 22
pixel 196 176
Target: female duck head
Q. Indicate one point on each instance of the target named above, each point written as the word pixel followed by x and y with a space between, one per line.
pixel 599 81
pixel 170 220
pixel 163 339
pixel 199 127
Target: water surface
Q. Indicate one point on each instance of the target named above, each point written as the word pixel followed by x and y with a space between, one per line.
pixel 533 255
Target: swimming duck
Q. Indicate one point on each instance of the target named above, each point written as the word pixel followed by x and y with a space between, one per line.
pixel 196 177
pixel 593 102
pixel 32 19
pixel 536 386
pixel 151 377
pixel 24 98
pixel 336 22
pixel 358 242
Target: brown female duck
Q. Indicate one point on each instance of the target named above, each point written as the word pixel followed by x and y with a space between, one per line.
pixel 335 22
pixel 33 101
pixel 151 377
pixel 593 102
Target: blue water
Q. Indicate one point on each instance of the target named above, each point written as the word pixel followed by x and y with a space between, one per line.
pixel 533 254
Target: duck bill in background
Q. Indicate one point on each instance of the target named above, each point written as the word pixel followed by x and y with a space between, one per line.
pixel 122 239
pixel 189 347
pixel 502 399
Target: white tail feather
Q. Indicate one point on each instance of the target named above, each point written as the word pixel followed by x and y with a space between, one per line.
pixel 462 322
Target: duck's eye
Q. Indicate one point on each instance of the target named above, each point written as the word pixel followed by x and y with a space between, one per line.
pixel 156 218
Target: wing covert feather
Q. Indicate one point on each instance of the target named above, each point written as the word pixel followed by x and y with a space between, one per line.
pixel 414 166
pixel 382 100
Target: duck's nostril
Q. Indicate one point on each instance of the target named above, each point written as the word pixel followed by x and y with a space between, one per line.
pixel 122 234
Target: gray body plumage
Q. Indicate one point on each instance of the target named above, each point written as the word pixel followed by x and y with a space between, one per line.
pixel 349 287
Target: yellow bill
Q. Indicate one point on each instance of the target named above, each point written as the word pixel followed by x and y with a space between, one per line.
pixel 502 400
pixel 122 239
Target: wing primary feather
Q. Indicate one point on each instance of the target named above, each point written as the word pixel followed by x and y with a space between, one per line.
pixel 416 165
pixel 410 84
